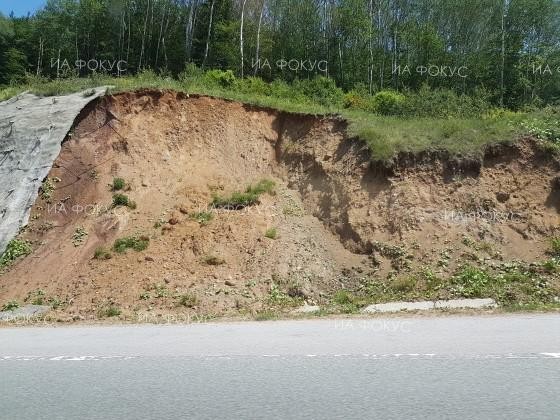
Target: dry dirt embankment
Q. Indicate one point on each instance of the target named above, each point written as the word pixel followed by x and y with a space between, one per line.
pixel 339 217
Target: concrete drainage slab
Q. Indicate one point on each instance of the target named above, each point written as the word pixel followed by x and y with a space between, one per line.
pixel 24 313
pixel 32 129
pixel 427 305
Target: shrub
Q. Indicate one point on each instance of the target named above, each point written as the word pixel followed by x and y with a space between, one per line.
pixel 236 201
pixel 220 78
pixel 271 233
pixel 118 184
pixel 403 284
pixel 109 311
pixel 343 297
pixel 472 282
pixel 123 200
pixel 239 200
pixel 203 217
pixel 555 246
pixel 387 102
pixel 263 186
pixel 188 300
pixel 79 236
pixel 16 248
pixel 253 86
pixel 134 242
pixel 102 254
pixel 10 306
pixel 322 90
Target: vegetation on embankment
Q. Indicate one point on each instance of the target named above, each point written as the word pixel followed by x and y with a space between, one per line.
pixel 390 122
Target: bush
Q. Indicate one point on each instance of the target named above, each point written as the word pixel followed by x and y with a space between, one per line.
pixel 271 233
pixel 220 78
pixel 240 200
pixel 16 248
pixel 472 282
pixel 10 306
pixel 134 242
pixel 101 254
pixel 203 217
pixel 253 86
pixel 109 311
pixel 123 200
pixel 321 90
pixel 555 246
pixel 118 184
pixel 446 103
pixel 188 300
pixel 387 102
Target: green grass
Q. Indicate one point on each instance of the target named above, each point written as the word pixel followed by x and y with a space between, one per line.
pixel 10 306
pixel 555 246
pixel 16 249
pixel 118 184
pixel 79 236
pixel 271 233
pixel 240 200
pixel 203 217
pixel 387 135
pixel 131 242
pixel 187 300
pixel 102 253
pixel 108 311
pixel 123 200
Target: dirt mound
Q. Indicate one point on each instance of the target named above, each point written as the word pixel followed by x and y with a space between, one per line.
pixel 334 218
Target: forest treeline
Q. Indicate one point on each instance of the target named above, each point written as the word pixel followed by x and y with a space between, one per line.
pixel 507 51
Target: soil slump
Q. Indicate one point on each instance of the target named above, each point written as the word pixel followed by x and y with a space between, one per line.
pixel 339 215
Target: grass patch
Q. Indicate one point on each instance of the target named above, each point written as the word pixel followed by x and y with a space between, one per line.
pixel 79 236
pixel 118 184
pixel 386 135
pixel 203 217
pixel 240 200
pixel 266 316
pixel 47 190
pixel 10 306
pixel 108 311
pixel 187 300
pixel 16 249
pixel 137 243
pixel 271 233
pixel 101 253
pixel 555 246
pixel 123 200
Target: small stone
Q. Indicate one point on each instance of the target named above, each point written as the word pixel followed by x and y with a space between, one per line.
pixel 148 258
pixel 502 196
pixel 229 283
pixel 173 221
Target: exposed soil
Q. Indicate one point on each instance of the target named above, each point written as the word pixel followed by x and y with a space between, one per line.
pixel 339 216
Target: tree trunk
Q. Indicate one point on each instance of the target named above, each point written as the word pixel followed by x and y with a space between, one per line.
pixel 208 34
pixel 241 36
pixel 259 38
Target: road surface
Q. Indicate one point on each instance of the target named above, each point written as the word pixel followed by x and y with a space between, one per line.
pixel 492 367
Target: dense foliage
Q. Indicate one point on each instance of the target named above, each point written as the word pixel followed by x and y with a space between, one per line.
pixel 502 52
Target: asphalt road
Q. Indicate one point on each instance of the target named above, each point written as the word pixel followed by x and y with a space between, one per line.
pixel 505 367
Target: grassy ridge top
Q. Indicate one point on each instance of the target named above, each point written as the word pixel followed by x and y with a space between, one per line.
pixel 389 122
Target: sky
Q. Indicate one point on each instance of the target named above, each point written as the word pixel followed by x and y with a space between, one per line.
pixel 20 7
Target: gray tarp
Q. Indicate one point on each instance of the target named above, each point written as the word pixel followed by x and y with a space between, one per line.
pixel 31 132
